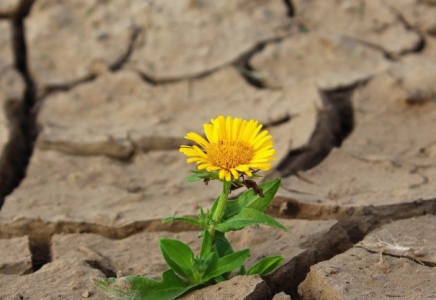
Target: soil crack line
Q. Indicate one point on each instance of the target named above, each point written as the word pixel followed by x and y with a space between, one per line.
pixel 319 248
pixel 125 57
pixel 290 7
pixel 21 115
pixel 41 232
pixel 335 121
pixel 40 252
pixel 114 67
pixel 418 47
pixel 106 270
pixel 280 121
pixel 386 54
pixel 242 64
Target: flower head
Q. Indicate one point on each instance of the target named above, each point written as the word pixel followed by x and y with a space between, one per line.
pixel 232 146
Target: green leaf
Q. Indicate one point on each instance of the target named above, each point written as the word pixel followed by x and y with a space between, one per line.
pixel 192 221
pixel 242 270
pixel 117 288
pixel 179 257
pixel 138 287
pixel 193 178
pixel 222 245
pixel 214 206
pixel 266 265
pixel 202 215
pixel 247 217
pixel 220 278
pixel 249 200
pixel 222 248
pixel 226 264
pixel 198 175
pixel 206 245
pixel 201 265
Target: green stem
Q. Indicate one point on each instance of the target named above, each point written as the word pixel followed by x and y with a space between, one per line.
pixel 209 236
pixel 219 211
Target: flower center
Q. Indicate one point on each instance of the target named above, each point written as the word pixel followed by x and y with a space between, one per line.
pixel 230 154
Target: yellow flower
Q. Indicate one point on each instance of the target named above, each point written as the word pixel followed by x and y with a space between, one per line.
pixel 232 146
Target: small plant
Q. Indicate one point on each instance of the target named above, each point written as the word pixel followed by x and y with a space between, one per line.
pixel 234 151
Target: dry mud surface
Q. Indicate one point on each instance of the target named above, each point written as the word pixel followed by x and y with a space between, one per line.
pixel 96 96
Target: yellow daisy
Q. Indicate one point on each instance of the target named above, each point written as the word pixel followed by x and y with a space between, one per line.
pixel 232 146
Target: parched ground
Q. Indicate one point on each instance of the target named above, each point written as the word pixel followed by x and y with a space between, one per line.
pixel 96 97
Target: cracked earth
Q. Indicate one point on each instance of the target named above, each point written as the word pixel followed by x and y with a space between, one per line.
pixel 96 97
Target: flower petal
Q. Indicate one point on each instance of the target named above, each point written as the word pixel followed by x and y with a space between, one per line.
pixel 197 138
pixel 228 176
pixel 234 173
pixel 222 174
pixel 228 130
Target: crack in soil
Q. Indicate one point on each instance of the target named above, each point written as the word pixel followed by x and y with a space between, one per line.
pixel 252 76
pixel 64 87
pixel 241 63
pixel 356 227
pixel 5 16
pixel 106 270
pixel 41 232
pixel 246 71
pixel 425 180
pixel 110 148
pixel 319 248
pixel 290 7
pixel 356 220
pixel 335 121
pixel 419 47
pixel 280 121
pixel 21 115
pixel 125 151
pixel 114 67
pixel 40 254
pixel 117 65
pixel 389 56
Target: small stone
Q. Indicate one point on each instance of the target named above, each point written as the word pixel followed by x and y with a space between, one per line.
pixel 86 294
pixel 282 296
pixel 120 274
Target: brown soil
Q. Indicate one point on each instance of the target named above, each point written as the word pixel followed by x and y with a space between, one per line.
pixel 345 87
